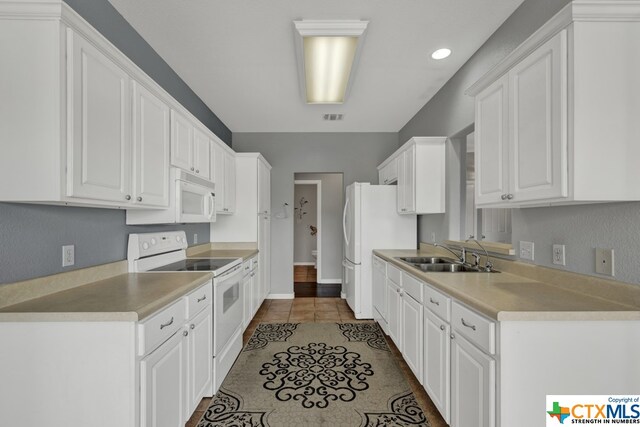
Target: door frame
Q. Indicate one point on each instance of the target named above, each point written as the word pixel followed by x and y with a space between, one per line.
pixel 318 184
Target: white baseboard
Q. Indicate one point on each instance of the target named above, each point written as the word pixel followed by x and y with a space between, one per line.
pixel 281 296
pixel 304 263
pixel 331 281
pixel 343 295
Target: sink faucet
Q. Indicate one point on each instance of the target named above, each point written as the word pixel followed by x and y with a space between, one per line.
pixel 463 252
pixel 488 265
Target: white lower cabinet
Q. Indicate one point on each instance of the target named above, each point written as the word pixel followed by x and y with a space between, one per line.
pixel 379 292
pixel 411 332
pixel 394 308
pixel 473 385
pixel 436 374
pixel 199 360
pixel 162 391
pixel 250 291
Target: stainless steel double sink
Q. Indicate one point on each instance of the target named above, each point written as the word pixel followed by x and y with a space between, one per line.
pixel 442 265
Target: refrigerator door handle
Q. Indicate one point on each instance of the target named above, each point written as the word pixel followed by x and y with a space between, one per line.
pixel 344 222
pixel 346 264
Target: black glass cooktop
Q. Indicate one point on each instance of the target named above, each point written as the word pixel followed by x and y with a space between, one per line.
pixel 196 264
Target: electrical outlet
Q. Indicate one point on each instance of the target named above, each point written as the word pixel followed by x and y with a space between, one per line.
pixel 526 250
pixel 558 255
pixel 195 238
pixel 68 255
pixel 605 262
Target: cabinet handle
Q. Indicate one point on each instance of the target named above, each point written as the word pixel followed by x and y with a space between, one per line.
pixel 185 333
pixel 192 326
pixel 139 198
pixel 442 327
pixel 452 336
pixel 197 170
pixel 434 301
pixel 204 297
pixel 192 169
pixel 127 197
pixel 401 293
pixel 253 274
pixel 509 196
pixel 503 197
pixel 468 325
pixel 164 325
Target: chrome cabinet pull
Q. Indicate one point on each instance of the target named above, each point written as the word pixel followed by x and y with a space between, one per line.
pixel 127 197
pixel 509 196
pixel 434 301
pixel 192 169
pixel 468 325
pixel 164 325
pixel 197 170
pixel 193 326
pixel 452 336
pixel 139 198
pixel 185 333
pixel 442 327
pixel 204 297
pixel 503 197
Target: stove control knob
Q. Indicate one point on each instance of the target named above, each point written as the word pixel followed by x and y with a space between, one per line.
pixel 153 241
pixel 145 246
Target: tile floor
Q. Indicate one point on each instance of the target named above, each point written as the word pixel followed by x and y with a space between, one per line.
pixel 324 310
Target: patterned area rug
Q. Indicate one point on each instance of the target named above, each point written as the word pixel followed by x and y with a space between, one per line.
pixel 315 374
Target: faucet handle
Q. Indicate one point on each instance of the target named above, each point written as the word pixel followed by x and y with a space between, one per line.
pixel 476 257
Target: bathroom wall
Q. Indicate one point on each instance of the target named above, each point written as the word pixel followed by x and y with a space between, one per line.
pixel 303 241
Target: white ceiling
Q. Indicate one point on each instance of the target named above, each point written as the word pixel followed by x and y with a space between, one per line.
pixel 239 55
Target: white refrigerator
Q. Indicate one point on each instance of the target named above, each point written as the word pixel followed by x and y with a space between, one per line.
pixel 370 221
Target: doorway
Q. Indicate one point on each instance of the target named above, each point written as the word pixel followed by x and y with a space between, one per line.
pixel 317 245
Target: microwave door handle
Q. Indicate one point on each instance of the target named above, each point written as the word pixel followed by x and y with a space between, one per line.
pixel 212 206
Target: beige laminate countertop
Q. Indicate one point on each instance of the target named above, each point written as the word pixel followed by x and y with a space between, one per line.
pixel 505 296
pixel 126 297
pixel 245 254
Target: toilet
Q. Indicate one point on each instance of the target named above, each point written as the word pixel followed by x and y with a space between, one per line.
pixel 314 254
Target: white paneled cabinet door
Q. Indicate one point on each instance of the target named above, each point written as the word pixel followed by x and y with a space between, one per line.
pixel 229 183
pixel 201 154
pixel 219 178
pixel 100 138
pixel 411 331
pixel 264 247
pixel 436 373
pixel 491 136
pixel 181 141
pixel 200 371
pixel 256 301
pixel 402 185
pixel 393 311
pixel 410 180
pixel 472 385
pixel 151 137
pixel 162 390
pixel 247 300
pixel 379 287
pixel 538 96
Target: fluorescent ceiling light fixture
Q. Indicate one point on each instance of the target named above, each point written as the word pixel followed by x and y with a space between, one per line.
pixel 441 53
pixel 327 53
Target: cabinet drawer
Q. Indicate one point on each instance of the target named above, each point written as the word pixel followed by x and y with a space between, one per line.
pixel 379 264
pixel 155 330
pixel 394 274
pixel 246 267
pixel 199 299
pixel 475 327
pixel 438 303
pixel 412 286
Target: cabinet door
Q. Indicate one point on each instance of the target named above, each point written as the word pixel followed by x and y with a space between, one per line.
pixel 100 139
pixel 255 290
pixel 200 363
pixel 402 185
pixel 411 331
pixel 538 96
pixel 229 183
pixel 472 385
pixel 162 385
pixel 181 142
pixel 436 373
pixel 491 143
pixel 217 162
pixel 393 312
pixel 151 148
pixel 264 188
pixel 247 300
pixel 201 154
pixel 410 180
pixel 264 254
pixel 379 287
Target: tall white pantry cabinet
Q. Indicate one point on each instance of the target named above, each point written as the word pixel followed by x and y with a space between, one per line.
pixel 252 221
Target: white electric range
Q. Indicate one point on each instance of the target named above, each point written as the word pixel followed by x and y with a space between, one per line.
pixel 166 252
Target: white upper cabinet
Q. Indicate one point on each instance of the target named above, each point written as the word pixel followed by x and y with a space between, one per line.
pixel 229 183
pixel 554 120
pixel 223 174
pixel 419 168
pixel 189 146
pixel 151 148
pixel 100 137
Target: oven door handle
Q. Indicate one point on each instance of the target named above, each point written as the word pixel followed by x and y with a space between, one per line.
pixel 227 273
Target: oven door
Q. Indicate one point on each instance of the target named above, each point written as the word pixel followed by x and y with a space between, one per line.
pixel 194 203
pixel 228 308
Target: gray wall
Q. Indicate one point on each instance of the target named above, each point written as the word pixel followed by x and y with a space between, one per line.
pixel 356 155
pixel 31 238
pixel 332 203
pixel 303 241
pixel 581 228
pixel 106 19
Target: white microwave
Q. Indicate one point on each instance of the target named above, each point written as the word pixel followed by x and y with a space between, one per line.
pixel 191 200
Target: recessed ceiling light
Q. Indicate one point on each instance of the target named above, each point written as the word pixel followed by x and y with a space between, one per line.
pixel 327 55
pixel 441 53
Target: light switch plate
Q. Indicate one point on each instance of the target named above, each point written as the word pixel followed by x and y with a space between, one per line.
pixel 526 250
pixel 68 255
pixel 605 262
pixel 558 255
pixel 195 238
